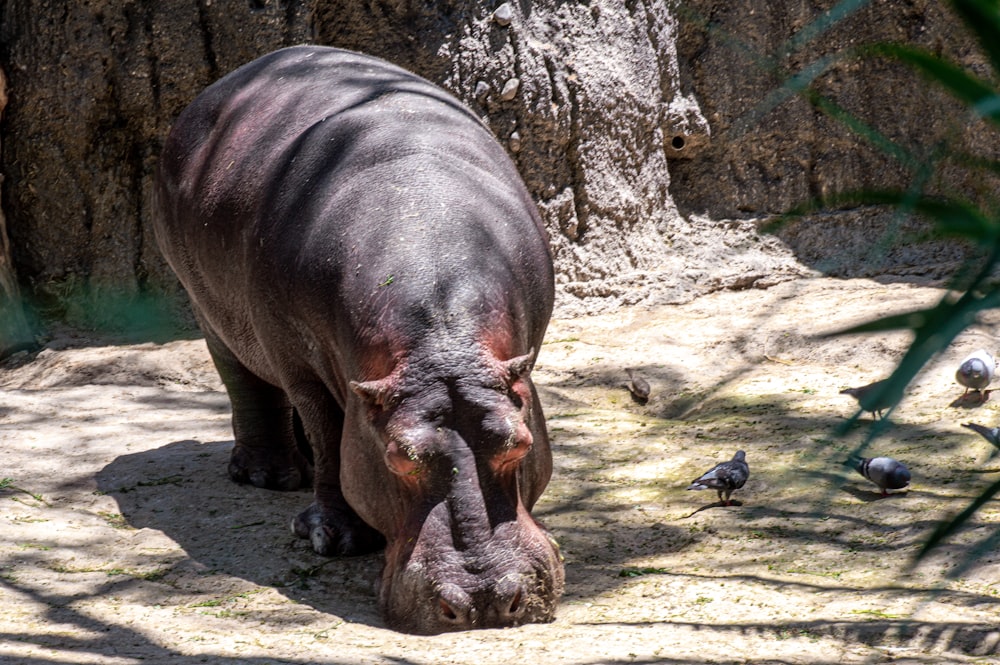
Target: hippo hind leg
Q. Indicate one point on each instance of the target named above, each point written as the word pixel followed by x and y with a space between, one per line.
pixel 269 450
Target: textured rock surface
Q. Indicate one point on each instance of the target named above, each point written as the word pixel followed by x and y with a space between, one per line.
pixel 764 160
pixel 594 119
pixel 15 333
pixel 619 110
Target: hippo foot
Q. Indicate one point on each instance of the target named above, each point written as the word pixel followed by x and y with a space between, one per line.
pixel 273 473
pixel 341 533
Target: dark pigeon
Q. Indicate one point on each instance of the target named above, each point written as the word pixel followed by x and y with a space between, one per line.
pixel 887 473
pixel 724 477
pixel 991 434
pixel 869 397
pixel 638 386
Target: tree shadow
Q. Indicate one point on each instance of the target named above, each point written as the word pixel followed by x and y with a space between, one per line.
pixel 155 488
pixel 112 641
pixel 929 637
pixel 182 490
pixel 716 504
pixel 822 474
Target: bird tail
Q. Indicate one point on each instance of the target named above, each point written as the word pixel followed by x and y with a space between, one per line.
pixel 858 463
pixel 990 434
pixel 985 431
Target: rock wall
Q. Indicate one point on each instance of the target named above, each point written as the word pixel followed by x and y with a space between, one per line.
pixel 764 161
pixel 586 97
pixel 636 124
pixel 15 333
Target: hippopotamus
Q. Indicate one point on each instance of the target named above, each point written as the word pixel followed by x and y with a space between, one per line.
pixel 373 282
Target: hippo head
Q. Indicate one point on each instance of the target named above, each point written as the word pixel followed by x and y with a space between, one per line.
pixel 468 456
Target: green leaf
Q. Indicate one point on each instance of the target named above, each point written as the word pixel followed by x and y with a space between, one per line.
pixel 796 84
pixel 983 18
pixel 864 130
pixel 951 217
pixel 934 329
pixel 978 94
pixel 973 162
pixel 826 20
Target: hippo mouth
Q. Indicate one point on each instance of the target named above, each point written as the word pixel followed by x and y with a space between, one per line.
pixel 436 591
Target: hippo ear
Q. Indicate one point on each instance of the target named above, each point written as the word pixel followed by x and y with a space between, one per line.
pixel 376 393
pixel 518 367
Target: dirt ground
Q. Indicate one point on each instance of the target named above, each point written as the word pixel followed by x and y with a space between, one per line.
pixel 121 539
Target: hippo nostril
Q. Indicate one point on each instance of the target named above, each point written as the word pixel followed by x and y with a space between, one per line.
pixel 515 603
pixel 508 601
pixel 454 606
pixel 446 611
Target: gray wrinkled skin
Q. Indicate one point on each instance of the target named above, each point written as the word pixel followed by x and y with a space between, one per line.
pixel 373 282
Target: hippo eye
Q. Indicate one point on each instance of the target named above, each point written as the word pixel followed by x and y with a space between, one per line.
pixel 515 448
pixel 515 398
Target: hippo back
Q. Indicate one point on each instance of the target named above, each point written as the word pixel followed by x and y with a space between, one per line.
pixel 303 180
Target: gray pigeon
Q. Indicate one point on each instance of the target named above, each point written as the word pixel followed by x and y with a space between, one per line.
pixel 990 434
pixel 869 398
pixel 638 386
pixel 976 371
pixel 885 472
pixel 724 477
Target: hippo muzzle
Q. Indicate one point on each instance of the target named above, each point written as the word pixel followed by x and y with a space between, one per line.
pixel 514 578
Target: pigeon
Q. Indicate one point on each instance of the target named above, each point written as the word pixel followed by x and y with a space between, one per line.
pixel 865 395
pixel 990 434
pixel 976 371
pixel 724 477
pixel 887 473
pixel 638 386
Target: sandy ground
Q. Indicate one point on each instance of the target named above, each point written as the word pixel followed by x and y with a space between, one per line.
pixel 122 541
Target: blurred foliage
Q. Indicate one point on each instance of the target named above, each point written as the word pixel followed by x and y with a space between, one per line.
pixel 129 315
pixel 973 288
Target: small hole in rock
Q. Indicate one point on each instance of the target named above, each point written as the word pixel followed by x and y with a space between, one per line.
pixel 677 143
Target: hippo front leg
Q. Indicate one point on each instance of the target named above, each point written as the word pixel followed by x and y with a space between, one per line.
pixel 330 524
pixel 267 453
